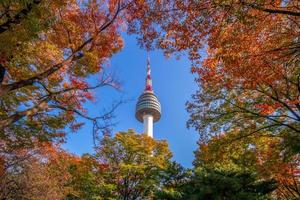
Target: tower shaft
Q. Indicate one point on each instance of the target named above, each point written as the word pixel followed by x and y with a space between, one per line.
pixel 148 125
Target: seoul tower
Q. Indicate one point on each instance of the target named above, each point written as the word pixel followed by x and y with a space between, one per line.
pixel 148 107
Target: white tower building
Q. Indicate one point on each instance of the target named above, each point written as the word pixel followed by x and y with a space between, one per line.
pixel 148 108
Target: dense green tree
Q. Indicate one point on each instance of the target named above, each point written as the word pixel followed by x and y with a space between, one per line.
pixel 227 185
pixel 172 182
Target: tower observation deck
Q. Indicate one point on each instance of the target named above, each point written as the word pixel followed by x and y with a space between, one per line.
pixel 148 108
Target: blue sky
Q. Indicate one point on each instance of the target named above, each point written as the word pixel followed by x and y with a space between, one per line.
pixel 172 83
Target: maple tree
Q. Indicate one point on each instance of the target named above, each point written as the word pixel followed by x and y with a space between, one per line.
pixel 49 52
pixel 36 173
pixel 49 172
pixel 249 76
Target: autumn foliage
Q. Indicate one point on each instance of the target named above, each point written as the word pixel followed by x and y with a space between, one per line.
pixel 244 54
pixel 125 166
pixel 49 51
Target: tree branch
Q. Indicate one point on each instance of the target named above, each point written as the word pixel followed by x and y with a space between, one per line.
pixel 272 11
pixel 19 115
pixel 265 116
pixel 106 118
pixel 253 132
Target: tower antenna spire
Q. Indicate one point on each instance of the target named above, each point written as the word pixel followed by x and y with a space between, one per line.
pixel 148 87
